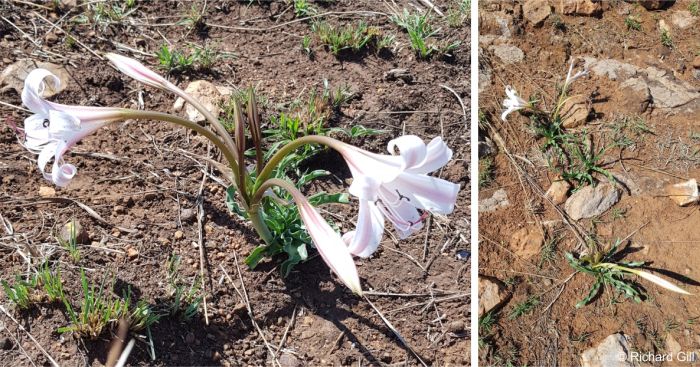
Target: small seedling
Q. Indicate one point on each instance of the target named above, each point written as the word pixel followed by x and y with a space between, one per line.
pixel 21 293
pixel 586 162
pixel 524 307
pixel 419 31
pixel 303 9
pixel 666 39
pixel 306 45
pixel 51 283
pixel 694 8
pixel 486 169
pixel 194 18
pixel 70 244
pixel 186 301
pixel 457 15
pixel 608 271
pixel 548 252
pixel 354 38
pixel 141 316
pixel 173 60
pixel 633 23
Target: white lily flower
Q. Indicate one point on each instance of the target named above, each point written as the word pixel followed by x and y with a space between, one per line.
pixel 513 102
pixel 570 79
pixel 54 128
pixel 396 187
pixel 138 71
pixel 329 244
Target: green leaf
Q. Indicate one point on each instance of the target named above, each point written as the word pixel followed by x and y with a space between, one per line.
pixel 591 294
pixel 296 255
pixel 326 198
pixel 310 176
pixel 232 204
pixel 255 256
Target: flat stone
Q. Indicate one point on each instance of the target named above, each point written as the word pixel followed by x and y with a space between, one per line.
pixel 536 11
pixel 509 54
pixel 613 351
pixel 209 95
pixel 47 191
pixel 492 294
pixel 591 201
pixel 575 111
pixel 580 7
pixel 527 242
pixel 673 347
pixel 610 68
pixel 635 95
pixel 684 193
pixel 683 19
pixel 498 200
pixel 558 192
pixel 13 76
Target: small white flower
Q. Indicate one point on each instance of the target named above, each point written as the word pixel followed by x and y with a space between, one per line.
pixel 513 102
pixel 570 79
pixel 54 128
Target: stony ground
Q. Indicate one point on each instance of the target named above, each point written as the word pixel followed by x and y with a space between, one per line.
pixel 640 101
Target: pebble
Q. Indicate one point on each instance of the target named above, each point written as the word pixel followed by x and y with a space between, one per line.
pixel 179 235
pixel 47 191
pixel 463 255
pixel 591 201
pixel 456 326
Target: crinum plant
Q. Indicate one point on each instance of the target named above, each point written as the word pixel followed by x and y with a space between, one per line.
pixel 393 187
pixel 569 155
pixel 609 270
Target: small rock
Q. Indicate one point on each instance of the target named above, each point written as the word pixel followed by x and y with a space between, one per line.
pixel 611 352
pixel 492 294
pixel 696 62
pixel 684 193
pixel 47 191
pixel 5 343
pixel 13 76
pixel 399 74
pixel 575 111
pixel 656 4
pixel 682 19
pixel 132 252
pixel 527 241
pixel 499 199
pixel 635 95
pixel 119 209
pixel 536 11
pixel 558 191
pixel 672 346
pixel 209 95
pixel 71 229
pixel 580 7
pixel 179 235
pixel 187 215
pixel 509 54
pixel 289 360
pixel 463 255
pixel 591 201
pixel 456 326
pixel 51 38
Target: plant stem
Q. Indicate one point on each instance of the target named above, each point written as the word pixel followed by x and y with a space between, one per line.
pixel 220 129
pixel 151 115
pixel 275 160
pixel 255 215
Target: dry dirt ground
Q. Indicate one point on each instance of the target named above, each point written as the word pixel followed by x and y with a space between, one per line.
pixel 145 178
pixel 537 322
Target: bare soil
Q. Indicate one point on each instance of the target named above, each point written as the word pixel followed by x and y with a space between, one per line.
pixel 140 176
pixel 657 230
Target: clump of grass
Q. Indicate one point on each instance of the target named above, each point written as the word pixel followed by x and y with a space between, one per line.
pixel 666 39
pixel 694 8
pixel 185 300
pixel 303 9
pixel 524 307
pixel 51 282
pixel 194 19
pixel 21 293
pixel 97 310
pixel 585 163
pixel 485 171
pixel 306 45
pixel 457 15
pixel 349 37
pixel 419 29
pixel 141 316
pixel 633 23
pixel 202 58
